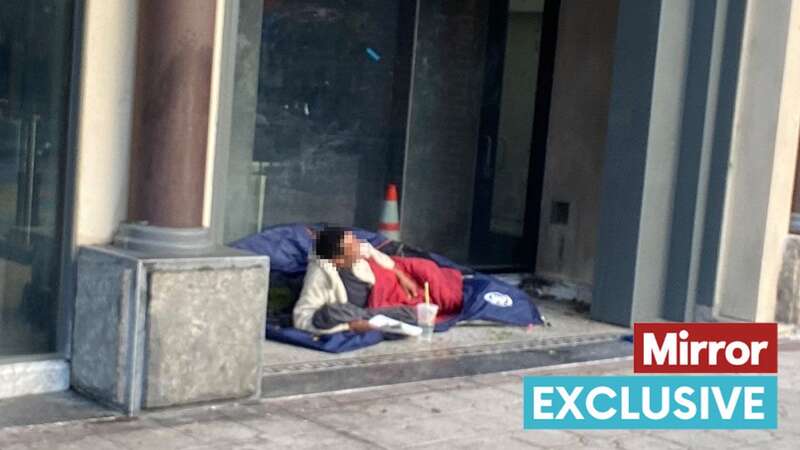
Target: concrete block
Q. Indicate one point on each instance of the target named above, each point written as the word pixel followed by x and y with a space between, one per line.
pixel 158 331
pixel 204 335
pixel 33 377
pixel 101 352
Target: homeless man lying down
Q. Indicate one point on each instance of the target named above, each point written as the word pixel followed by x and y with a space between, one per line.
pixel 348 281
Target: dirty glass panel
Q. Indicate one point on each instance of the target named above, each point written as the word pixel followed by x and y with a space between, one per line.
pixel 470 134
pixel 35 41
pixel 500 237
pixel 498 234
pixel 514 135
pixel 330 115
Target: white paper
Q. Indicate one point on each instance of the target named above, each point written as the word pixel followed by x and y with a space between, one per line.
pixel 389 325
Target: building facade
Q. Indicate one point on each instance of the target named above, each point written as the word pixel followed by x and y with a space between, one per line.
pixel 642 150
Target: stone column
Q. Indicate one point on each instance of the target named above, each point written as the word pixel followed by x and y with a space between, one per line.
pixel 163 317
pixel 759 185
pixel 170 125
pixel 642 156
pixel 692 215
pixel 703 131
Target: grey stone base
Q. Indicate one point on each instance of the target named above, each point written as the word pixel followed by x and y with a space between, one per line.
pixel 33 377
pixel 788 306
pixel 153 332
pixel 154 240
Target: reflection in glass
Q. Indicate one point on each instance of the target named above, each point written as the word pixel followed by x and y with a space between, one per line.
pixel 35 42
pixel 330 125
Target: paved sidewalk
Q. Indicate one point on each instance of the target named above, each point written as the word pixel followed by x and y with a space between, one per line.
pixel 476 412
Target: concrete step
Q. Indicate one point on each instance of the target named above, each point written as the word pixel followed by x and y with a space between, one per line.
pixel 376 370
pixel 54 407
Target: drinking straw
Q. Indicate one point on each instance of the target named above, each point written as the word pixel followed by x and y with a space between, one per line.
pixel 427 294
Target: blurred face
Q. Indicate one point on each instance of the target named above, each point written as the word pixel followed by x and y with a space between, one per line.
pixel 351 251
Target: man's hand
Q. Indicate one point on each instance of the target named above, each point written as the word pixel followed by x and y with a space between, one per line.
pixel 360 326
pixel 407 284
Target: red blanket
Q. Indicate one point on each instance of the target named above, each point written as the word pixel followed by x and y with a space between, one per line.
pixel 446 286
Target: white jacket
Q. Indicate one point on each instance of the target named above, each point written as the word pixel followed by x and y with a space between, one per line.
pixel 322 286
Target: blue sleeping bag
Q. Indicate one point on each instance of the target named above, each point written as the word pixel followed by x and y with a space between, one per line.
pixel 288 246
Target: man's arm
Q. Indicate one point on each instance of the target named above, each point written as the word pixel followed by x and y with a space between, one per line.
pixel 315 295
pixel 408 285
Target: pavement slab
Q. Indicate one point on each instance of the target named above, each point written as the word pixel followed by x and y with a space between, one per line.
pixel 483 411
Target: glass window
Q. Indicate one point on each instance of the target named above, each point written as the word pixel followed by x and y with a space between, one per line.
pixel 338 117
pixel 470 169
pixel 330 116
pixel 35 60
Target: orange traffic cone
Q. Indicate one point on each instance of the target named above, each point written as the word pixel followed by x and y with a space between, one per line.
pixel 390 219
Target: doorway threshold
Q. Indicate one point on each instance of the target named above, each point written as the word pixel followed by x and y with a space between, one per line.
pixel 472 348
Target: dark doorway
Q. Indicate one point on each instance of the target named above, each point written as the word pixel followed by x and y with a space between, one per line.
pixel 520 53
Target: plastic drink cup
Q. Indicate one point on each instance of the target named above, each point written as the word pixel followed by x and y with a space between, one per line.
pixel 426 319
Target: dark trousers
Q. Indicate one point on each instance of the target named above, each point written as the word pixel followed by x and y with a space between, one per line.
pixel 331 315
